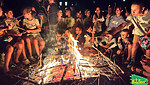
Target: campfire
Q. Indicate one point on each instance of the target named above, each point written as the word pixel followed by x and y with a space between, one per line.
pixel 58 68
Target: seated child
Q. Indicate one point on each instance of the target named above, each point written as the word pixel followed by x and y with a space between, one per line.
pixel 33 30
pixel 124 45
pixel 16 35
pixel 108 45
pixel 79 36
pixel 60 45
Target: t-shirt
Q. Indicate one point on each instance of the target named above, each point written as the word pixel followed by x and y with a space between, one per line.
pixel 98 22
pixel 31 24
pixel 15 28
pixel 69 21
pixel 141 24
pixel 111 44
pixel 114 22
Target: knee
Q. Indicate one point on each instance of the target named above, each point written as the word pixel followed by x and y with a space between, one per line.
pixel 27 40
pixel 135 44
pixel 10 49
pixel 42 43
pixel 20 46
pixel 35 41
pixel 118 52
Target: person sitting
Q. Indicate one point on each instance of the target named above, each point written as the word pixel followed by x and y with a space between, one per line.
pixel 16 35
pixel 60 45
pixel 98 20
pixel 115 21
pixel 124 45
pixel 107 45
pixel 33 28
pixel 79 36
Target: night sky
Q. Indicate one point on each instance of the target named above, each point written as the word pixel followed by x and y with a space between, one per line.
pixel 18 5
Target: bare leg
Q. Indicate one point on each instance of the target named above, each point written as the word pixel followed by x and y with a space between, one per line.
pixel 23 50
pixel 19 50
pixel 129 51
pixel 28 41
pixel 135 46
pixel 36 46
pixel 42 45
pixel 148 53
pixel 7 58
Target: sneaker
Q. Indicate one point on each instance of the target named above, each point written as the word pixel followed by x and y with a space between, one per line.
pixel 32 58
pixel 26 62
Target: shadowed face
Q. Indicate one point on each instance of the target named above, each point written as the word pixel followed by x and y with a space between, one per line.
pixel 118 11
pixel 97 10
pixel 9 14
pixel 59 13
pixel 88 14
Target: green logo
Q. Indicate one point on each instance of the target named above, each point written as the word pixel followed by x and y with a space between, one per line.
pixel 138 80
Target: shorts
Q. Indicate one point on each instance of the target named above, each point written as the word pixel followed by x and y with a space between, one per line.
pixel 35 36
pixel 144 43
pixel 3 46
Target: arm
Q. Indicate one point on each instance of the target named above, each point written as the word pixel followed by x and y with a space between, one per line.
pixel 35 30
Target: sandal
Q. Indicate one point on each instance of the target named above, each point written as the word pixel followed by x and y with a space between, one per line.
pixel 26 62
pixel 135 70
pixel 32 58
pixel 127 62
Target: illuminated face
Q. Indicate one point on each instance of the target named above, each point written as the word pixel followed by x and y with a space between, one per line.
pixel 58 36
pixel 51 1
pixel 10 14
pixel 118 12
pixel 135 10
pixel 59 13
pixel 68 12
pixel 77 30
pixel 66 32
pixel 124 35
pixel 1 12
pixel 97 10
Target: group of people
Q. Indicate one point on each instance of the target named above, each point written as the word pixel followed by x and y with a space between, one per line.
pixel 113 34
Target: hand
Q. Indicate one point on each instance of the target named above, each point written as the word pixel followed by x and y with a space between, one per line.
pixel 108 16
pixel 10 26
pixel 48 7
pixel 107 50
pixel 94 20
pixel 119 38
pixel 19 34
pixel 105 46
pixel 10 39
pixel 28 31
pixel 17 22
pixel 126 14
pixel 41 17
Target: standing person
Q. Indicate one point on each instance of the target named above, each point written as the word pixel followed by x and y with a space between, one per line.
pixel 33 28
pixel 98 20
pixel 52 9
pixel 140 18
